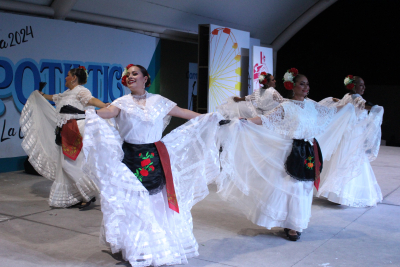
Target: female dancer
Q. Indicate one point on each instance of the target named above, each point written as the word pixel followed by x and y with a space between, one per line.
pixel 260 101
pixel 269 171
pixel 348 178
pixel 148 187
pixel 61 164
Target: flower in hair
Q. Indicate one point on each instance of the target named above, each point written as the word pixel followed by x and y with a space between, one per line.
pixel 261 78
pixel 289 77
pixel 125 73
pixel 349 82
pixel 82 67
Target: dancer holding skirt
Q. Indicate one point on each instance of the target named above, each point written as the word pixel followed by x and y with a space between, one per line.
pixel 270 163
pixel 260 102
pixel 148 185
pixel 348 178
pixel 58 156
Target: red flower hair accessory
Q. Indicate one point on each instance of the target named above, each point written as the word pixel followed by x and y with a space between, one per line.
pixel 349 82
pixel 262 78
pixel 125 75
pixel 83 68
pixel 289 77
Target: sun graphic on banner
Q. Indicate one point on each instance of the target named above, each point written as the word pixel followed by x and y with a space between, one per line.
pixel 224 67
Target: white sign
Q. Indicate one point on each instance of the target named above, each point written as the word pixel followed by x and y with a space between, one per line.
pixel 262 62
pixel 224 66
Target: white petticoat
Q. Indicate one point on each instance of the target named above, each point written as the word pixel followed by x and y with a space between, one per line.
pixel 348 178
pixel 254 177
pixel 361 191
pixel 142 226
pixel 38 122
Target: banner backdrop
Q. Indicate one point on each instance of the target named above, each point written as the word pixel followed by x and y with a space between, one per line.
pixel 262 62
pixel 37 49
pixel 224 65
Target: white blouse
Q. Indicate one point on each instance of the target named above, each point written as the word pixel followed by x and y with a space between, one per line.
pixel 299 119
pixel 78 97
pixel 142 124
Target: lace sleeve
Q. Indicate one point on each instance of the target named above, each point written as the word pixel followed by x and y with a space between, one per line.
pixel 251 97
pixel 325 114
pixel 56 98
pixel 272 118
pixel 84 96
pixel 277 97
pixel 169 106
pixel 359 103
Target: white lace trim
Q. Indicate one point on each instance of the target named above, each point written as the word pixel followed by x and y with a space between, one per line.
pixel 299 119
pixel 156 106
pixel 65 195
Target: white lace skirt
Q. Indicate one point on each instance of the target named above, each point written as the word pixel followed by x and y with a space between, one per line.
pixel 347 177
pixel 361 191
pixel 140 225
pixel 254 177
pixel 38 122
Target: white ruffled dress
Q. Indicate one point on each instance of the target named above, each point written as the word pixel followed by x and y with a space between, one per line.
pixel 38 122
pixel 348 178
pixel 253 161
pixel 140 225
pixel 260 102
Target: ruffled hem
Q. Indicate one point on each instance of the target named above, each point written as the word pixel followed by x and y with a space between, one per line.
pixel 142 226
pixel 43 161
pixel 273 207
pixel 65 195
pixel 361 191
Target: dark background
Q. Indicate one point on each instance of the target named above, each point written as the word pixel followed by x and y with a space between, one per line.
pixel 358 37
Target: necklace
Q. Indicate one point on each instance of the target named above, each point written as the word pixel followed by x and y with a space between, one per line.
pixel 140 99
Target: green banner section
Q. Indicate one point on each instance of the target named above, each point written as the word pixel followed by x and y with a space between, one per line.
pixel 154 70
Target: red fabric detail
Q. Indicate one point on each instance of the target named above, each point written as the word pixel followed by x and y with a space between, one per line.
pixel 317 165
pixel 71 139
pixel 166 165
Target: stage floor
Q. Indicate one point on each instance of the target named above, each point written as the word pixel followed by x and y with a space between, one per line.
pixel 33 234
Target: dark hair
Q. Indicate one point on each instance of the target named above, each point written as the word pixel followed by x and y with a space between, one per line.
pixel 268 77
pixel 142 70
pixel 298 77
pixel 145 73
pixel 80 74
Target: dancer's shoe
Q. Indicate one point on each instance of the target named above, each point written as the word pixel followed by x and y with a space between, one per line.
pixel 292 237
pixel 87 204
